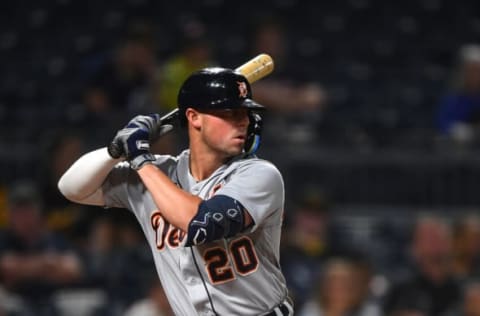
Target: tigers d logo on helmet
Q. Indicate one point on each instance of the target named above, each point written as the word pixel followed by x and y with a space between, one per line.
pixel 242 89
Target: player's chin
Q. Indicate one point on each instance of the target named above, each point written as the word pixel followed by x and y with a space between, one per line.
pixel 236 148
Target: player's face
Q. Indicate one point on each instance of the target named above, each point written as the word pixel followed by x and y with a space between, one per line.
pixel 225 131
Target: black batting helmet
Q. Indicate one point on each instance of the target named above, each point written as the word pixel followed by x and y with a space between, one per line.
pixel 216 88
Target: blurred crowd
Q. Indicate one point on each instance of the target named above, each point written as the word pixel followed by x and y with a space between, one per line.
pixel 430 266
pixel 58 258
pixel 89 261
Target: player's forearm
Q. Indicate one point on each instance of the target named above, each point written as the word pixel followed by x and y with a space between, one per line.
pixel 177 206
pixel 83 180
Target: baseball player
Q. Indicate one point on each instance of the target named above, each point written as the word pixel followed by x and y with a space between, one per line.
pixel 213 214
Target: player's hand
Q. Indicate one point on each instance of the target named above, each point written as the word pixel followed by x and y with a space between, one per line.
pixel 133 141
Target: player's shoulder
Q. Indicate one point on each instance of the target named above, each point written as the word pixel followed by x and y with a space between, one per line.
pixel 253 160
pixel 257 165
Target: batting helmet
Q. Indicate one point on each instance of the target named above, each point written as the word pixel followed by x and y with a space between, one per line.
pixel 222 88
pixel 216 88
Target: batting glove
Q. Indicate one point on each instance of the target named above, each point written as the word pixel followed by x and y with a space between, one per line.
pixel 133 141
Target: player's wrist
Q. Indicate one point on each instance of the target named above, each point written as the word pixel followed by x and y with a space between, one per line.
pixel 142 160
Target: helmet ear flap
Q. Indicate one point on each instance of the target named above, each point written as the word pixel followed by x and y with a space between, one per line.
pixel 254 133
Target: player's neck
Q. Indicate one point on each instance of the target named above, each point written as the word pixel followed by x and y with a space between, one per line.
pixel 203 163
pixel 202 166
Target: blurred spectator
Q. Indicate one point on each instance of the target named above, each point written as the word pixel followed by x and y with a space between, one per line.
pixel 364 301
pixel 466 248
pixel 306 245
pixel 154 304
pixel 459 109
pixel 62 151
pixel 340 292
pixel 471 299
pixel 100 253
pixel 291 97
pixel 116 260
pixel 430 289
pixel 134 255
pixel 34 262
pixel 285 90
pixel 59 152
pixel 195 53
pixel 122 83
pixel 470 302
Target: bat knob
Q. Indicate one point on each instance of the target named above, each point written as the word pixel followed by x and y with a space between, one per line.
pixel 115 150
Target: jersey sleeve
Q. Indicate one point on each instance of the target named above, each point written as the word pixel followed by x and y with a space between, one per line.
pixel 258 186
pixel 115 191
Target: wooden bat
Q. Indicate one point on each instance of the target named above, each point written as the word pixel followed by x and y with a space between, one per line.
pixel 254 69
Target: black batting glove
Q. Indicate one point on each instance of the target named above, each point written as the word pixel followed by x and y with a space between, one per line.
pixel 133 141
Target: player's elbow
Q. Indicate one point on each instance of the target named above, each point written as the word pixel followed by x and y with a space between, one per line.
pixel 64 188
pixel 68 190
pixel 217 218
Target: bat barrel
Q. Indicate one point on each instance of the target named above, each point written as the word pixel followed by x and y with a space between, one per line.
pixel 257 68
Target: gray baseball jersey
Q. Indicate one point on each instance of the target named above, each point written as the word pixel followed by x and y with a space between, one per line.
pixel 236 276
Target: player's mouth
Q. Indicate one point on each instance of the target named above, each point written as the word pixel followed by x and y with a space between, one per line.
pixel 240 138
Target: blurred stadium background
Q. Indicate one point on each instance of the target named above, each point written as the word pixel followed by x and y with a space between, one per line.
pixel 357 125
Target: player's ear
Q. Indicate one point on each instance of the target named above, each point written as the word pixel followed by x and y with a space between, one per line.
pixel 193 117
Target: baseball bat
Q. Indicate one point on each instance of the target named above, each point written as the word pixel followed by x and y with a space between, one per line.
pixel 254 70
